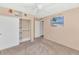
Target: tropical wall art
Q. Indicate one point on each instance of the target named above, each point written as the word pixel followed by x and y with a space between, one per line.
pixel 57 21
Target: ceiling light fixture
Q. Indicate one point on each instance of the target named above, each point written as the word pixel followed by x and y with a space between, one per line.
pixel 39 6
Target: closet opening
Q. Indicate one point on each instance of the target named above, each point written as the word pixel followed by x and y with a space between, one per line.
pixel 42 29
pixel 24 30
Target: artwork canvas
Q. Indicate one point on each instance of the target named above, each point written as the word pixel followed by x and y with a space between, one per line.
pixel 57 21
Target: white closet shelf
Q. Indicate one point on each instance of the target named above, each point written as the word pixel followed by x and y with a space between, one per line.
pixel 25 30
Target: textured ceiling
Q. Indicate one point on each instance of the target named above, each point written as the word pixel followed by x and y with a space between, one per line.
pixel 40 9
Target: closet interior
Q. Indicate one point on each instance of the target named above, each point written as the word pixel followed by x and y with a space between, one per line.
pixel 25 30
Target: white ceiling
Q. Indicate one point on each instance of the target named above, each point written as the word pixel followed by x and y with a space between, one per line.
pixel 40 9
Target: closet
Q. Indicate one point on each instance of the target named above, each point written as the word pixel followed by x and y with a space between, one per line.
pixel 25 30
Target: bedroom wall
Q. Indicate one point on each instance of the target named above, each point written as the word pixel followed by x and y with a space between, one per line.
pixel 9 31
pixel 68 34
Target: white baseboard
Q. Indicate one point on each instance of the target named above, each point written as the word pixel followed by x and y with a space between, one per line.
pixel 25 39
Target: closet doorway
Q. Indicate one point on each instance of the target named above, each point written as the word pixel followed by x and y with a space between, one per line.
pixel 42 28
pixel 25 30
pixel 39 28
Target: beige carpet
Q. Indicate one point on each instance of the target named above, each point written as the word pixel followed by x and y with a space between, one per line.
pixel 39 47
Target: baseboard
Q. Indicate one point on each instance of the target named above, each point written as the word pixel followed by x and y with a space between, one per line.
pixel 62 44
pixel 24 40
pixel 9 47
pixel 40 36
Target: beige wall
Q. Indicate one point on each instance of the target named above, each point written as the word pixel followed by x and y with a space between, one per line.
pixel 67 35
